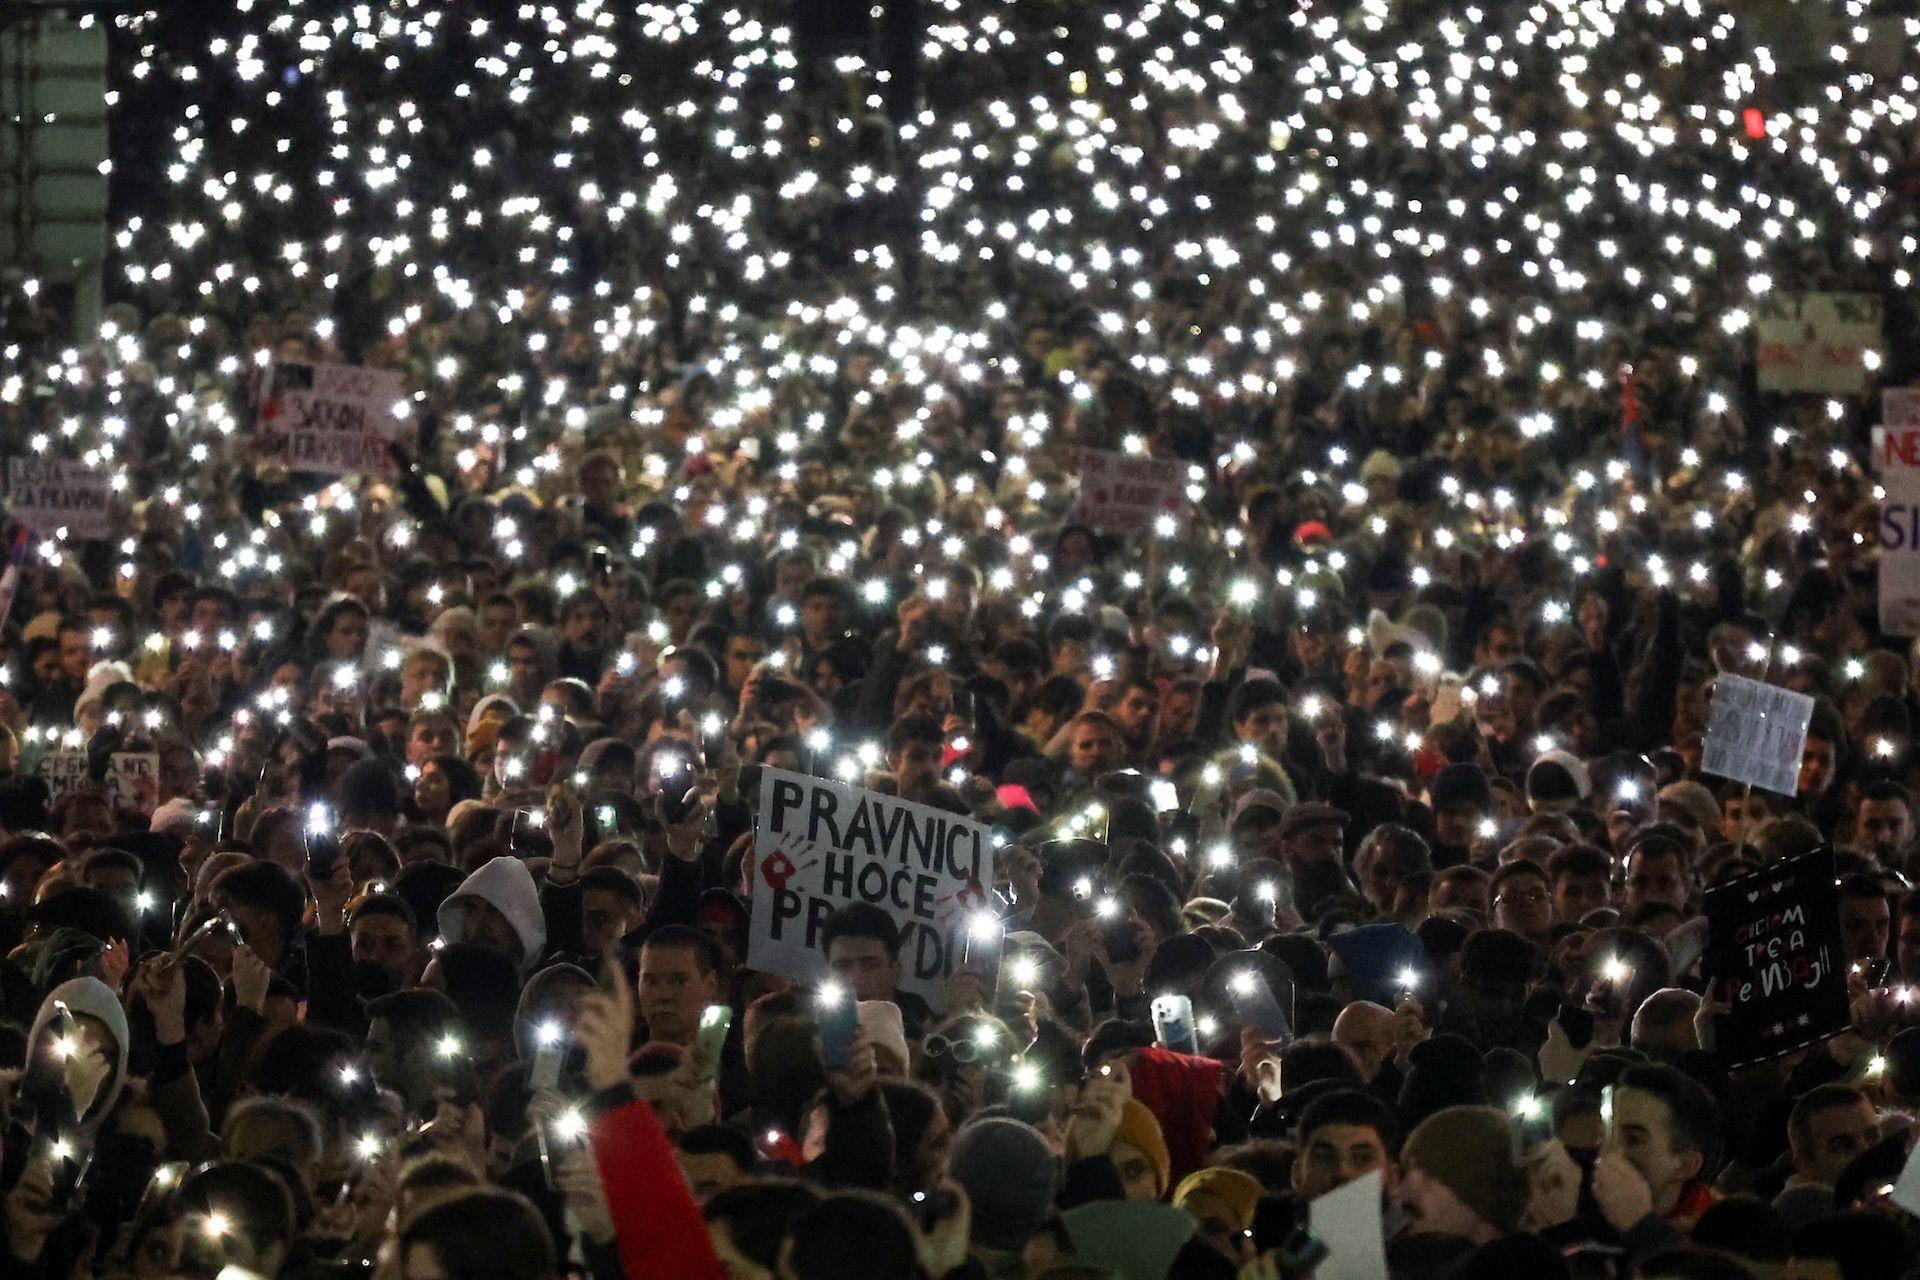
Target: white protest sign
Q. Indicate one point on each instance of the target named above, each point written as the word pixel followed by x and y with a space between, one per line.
pixel 1124 494
pixel 1816 341
pixel 133 781
pixel 1756 733
pixel 1896 452
pixel 1349 1222
pixel 333 418
pixel 820 845
pixel 63 770
pixel 46 494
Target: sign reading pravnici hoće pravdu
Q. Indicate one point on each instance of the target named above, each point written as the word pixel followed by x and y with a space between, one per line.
pixel 1775 956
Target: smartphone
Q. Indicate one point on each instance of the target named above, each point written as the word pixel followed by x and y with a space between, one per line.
pixel 1577 1024
pixel 839 1017
pixel 549 1056
pixel 528 838
pixel 711 1038
pixel 1255 1005
pixel 1173 1024
pixel 602 562
pixel 323 843
pixel 70 1158
pixel 933 1207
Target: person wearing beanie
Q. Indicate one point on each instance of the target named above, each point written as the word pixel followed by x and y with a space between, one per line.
pixel 1010 1177
pixel 1556 783
pixel 1461 1175
pixel 1460 796
pixel 1222 1202
pixel 1139 1153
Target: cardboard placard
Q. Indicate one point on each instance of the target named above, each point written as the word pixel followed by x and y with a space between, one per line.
pixel 133 782
pixel 1815 341
pixel 1756 733
pixel 332 418
pixel 63 770
pixel 1124 494
pixel 820 845
pixel 46 494
pixel 1774 950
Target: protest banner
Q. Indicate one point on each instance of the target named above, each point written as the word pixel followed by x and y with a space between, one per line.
pixel 46 494
pixel 820 845
pixel 133 782
pixel 1774 953
pixel 332 418
pixel 1816 341
pixel 1124 494
pixel 1756 733
pixel 1896 453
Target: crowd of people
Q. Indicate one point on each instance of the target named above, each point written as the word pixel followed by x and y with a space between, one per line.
pixel 377 851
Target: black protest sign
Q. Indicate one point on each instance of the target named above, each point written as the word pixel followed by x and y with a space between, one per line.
pixel 1773 950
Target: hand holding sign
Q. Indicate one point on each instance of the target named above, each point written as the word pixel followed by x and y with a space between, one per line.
pixel 1774 950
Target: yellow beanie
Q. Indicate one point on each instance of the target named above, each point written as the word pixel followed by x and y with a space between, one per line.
pixel 1237 1191
pixel 1140 1130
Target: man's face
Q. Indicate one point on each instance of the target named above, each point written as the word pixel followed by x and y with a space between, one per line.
pixel 1456 825
pixel 1321 842
pixel 742 653
pixel 1180 712
pixel 1816 766
pixel 1835 1136
pixel 1458 895
pixel 418 677
pixel 1336 1154
pixel 1429 1205
pixel 1865 925
pixel 1378 878
pixel 1640 1128
pixel 583 626
pixel 523 667
pixel 482 923
pixel 865 965
pixel 1524 906
pixel 1575 895
pixel 76 655
pixel 1883 828
pixel 605 918
pixel 1135 711
pixel 1265 727
pixel 497 622
pixel 1500 646
pixel 388 942
pixel 1093 750
pixel 1655 877
pixel 674 993
pixel 916 766
pixel 430 738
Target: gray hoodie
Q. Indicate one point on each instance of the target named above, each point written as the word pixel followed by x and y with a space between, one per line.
pixel 94 998
pixel 507 886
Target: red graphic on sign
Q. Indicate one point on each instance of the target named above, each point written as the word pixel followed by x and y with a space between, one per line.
pixel 776 869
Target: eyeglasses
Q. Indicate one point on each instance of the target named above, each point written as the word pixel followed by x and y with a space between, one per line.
pixel 965 1051
pixel 1522 898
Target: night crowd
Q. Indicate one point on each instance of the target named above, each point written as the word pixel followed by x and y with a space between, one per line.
pixel 377 851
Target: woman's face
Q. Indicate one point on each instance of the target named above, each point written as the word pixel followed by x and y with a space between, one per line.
pixel 348 635
pixel 432 792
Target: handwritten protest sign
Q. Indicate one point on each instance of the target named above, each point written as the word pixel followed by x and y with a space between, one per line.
pixel 63 770
pixel 821 845
pixel 1896 452
pixel 332 418
pixel 1816 341
pixel 46 494
pixel 133 781
pixel 1756 733
pixel 1774 950
pixel 1124 494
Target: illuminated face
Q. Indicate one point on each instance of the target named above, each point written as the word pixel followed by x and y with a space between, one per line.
pixel 1575 895
pixel 1321 842
pixel 1655 877
pixel 1138 1178
pixel 523 667
pixel 741 655
pixel 483 925
pixel 1816 766
pixel 431 738
pixel 820 618
pixel 1908 949
pixel 1524 906
pixel 1865 926
pixel 1265 727
pixel 1640 1128
pixel 866 965
pixel 1429 1205
pixel 76 654
pixel 1336 1154
pixel 348 635
pixel 1883 828
pixel 1835 1135
pixel 673 992
pixel 1456 825
pixel 388 942
pixel 605 918
pixel 1134 711
pixel 1093 750
pixel 915 765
